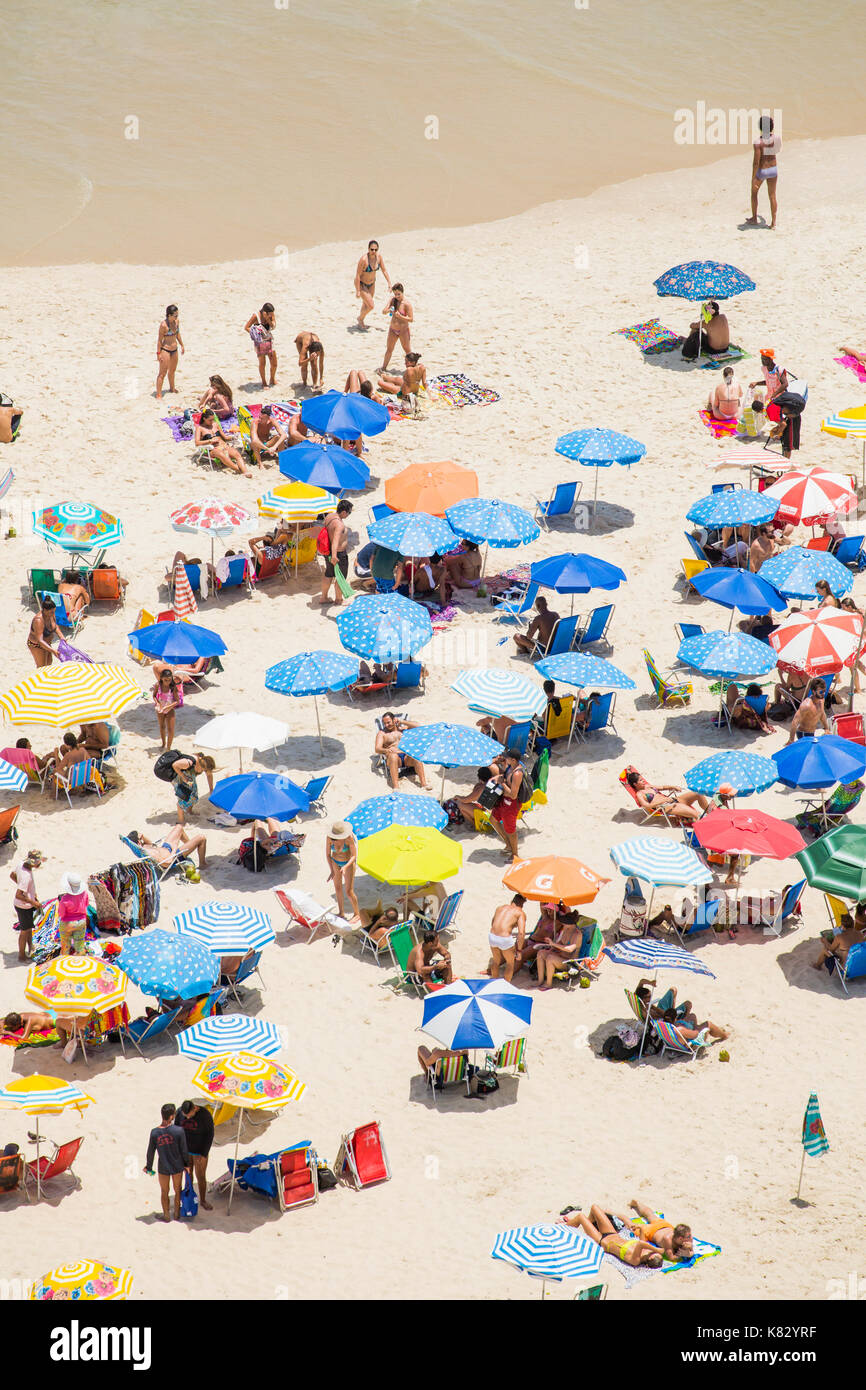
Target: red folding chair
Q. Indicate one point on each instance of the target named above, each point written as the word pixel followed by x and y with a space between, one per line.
pixel 850 726
pixel 363 1158
pixel 309 921
pixel 168 616
pixel 298 1181
pixel 42 1170
pixel 269 568
pixel 819 543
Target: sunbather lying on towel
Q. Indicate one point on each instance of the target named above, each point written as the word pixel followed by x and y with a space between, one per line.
pixel 675 1242
pixel 273 834
pixel 31 1023
pixel 623 1244
pixel 684 804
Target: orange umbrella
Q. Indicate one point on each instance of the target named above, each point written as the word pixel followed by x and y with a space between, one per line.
pixel 430 487
pixel 553 878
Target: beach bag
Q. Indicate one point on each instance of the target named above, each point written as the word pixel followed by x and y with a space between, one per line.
pixel 490 796
pixel 452 811
pixel 526 790
pixel 254 862
pixel 615 1050
pixel 323 542
pixel 188 1199
pixel 163 768
pixel 327 1180
pixel 541 770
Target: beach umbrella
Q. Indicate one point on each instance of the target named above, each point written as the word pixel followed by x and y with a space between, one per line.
pixel 745 773
pixel 77 526
pixel 72 693
pixel 245 730
pixel 299 503
pixel 413 533
pixel 168 965
pixel 583 669
pixel 259 795
pixel 494 690
pixel 397 808
pixel 37 1095
pixel 407 857
pixel 796 571
pixel 726 655
pixel 659 861
pixel 312 673
pixel 739 589
pixel 385 627
pixel 752 832
pixel 12 779
pixel 553 1252
pixel 430 487
pixel 182 599
pixel 487 521
pixel 576 574
pixel 344 415
pixel 177 642
pixel 645 954
pixel 249 1082
pixel 475 1013
pixel 212 516
pixel 813 1136
pixel 599 448
pixel 229 1033
pixel 75 986
pixel 553 878
pixel 807 497
pixel 697 280
pixel 88 1280
pixel 818 641
pixel 324 466
pixel 817 763
pixel 836 863
pixel 449 745
pixel 738 507
pixel 224 928
pixel 848 424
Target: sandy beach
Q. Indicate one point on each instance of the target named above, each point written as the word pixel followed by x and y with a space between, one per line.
pixel 529 306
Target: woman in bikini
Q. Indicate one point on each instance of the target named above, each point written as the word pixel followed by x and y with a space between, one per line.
pixel 402 317
pixel 413 379
pixel 365 280
pixel 208 434
pixel 43 631
pixel 219 397
pixel 359 381
pixel 168 341
pixel 765 169
pixel 261 327
pixel 341 852
pixel 562 948
pixel 724 401
pixel 623 1244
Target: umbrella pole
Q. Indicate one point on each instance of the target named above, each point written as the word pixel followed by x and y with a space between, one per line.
pixel 234 1168
pixel 442 785
pixel 318 723
pixel 484 561
pixel 595 496
pixel 800 1179
pixel 39 1165
pixel 646 1021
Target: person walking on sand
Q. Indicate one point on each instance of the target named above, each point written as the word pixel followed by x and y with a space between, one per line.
pixel 261 327
pixel 402 316
pixel 168 1143
pixel 765 169
pixel 196 1122
pixel 72 914
pixel 509 921
pixel 311 355
pixel 337 553
pixel 365 280
pixel 341 853
pixel 168 341
pixel 27 902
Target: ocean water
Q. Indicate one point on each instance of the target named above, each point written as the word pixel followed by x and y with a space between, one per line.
pixel 181 131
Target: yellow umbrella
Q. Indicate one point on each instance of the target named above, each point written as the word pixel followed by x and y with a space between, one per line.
pixel 250 1082
pixel 72 692
pixel 86 1279
pixel 298 504
pixel 409 855
pixel 75 986
pixel 42 1095
pixel 848 424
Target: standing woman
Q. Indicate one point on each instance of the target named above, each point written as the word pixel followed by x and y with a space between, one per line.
pixel 167 698
pixel 43 630
pixel 764 169
pixel 167 343
pixel 261 327
pixel 402 315
pixel 365 280
pixel 197 1124
pixel 341 851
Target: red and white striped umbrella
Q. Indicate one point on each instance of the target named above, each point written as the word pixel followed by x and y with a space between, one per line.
pixel 818 641
pixel 811 497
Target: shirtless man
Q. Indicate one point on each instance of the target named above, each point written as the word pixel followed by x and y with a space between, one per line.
pixel 837 949
pixel 539 629
pixel 675 1242
pixel 311 354
pixel 468 805
pixel 428 958
pixel 365 280
pixel 10 420
pixel 177 839
pixel 402 315
pixel 811 713
pixel 388 743
pixel 266 437
pixel 338 551
pixel 75 596
pixel 762 548
pixel 69 753
pixel 94 738
pixel 463 568
pixel 413 380
pixel 507 920
pixel 713 336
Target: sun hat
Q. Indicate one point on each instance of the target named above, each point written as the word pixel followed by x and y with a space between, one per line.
pixel 340 830
pixel 72 882
pixel 34 856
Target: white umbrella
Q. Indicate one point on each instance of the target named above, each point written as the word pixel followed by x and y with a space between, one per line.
pixel 246 730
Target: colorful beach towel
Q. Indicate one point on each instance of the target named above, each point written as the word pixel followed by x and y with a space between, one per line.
pixel 718 428
pixel 710 361
pixel 652 336
pixel 458 390
pixel 40 1037
pixel 282 412
pixel 853 366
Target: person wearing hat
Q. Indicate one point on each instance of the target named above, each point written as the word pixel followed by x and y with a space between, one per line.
pixel 341 852
pixel 27 902
pixel 72 914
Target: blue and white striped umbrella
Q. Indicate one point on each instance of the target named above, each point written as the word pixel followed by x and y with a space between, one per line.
pixel 645 954
pixel 549 1252
pixel 745 772
pixel 738 507
pixel 312 673
pixel 600 448
pixel 796 571
pixel 223 927
pixel 725 655
pixel 12 778
pixel 449 745
pixel 399 808
pixel 657 860
pixel 413 533
pixel 582 669
pixel 487 521
pixel 168 965
pixel 703 280
pixel 229 1033
pixel 493 690
pixel 477 1013
pixel 385 627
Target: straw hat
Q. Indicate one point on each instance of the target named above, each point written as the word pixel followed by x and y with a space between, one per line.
pixel 72 883
pixel 34 856
pixel 340 830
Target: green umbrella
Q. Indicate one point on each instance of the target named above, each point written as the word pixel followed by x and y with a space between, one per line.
pixel 837 862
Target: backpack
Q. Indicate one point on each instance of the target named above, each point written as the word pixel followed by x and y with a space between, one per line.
pixel 163 768
pixel 254 862
pixel 323 542
pixel 615 1050
pixel 526 791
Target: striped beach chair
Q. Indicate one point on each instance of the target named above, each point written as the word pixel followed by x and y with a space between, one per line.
pixel 448 1071
pixel 511 1057
pixel 83 774
pixel 673 1041
pixel 667 692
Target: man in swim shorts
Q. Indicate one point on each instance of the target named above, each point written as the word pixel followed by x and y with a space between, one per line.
pixel 507 920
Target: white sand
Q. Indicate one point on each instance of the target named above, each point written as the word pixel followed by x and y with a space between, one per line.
pixel 505 303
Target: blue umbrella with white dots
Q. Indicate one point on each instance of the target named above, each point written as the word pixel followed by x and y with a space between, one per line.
pixel 169 965
pixel 399 808
pixel 737 507
pixel 312 673
pixel 449 745
pixel 487 521
pixel 796 571
pixel 385 627
pixel 745 773
pixel 600 448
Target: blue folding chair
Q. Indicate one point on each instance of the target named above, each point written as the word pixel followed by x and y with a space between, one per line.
pixel 61 616
pixel 706 913
pixel 193 574
pixel 380 510
pixel 178 860
pixel 850 552
pixel 684 630
pixel 788 908
pixel 409 676
pixel 518 737
pixel 600 716
pixel 315 789
pixel 445 916
pixel 142 1030
pixel 561 638
pixel 854 967
pixel 516 610
pixel 236 576
pixel 561 503
pixel 726 487
pixel 595 632
pixel 248 968
pixel 697 547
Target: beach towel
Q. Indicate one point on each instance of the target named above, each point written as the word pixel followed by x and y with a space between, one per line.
pixel 441 618
pixel 66 652
pixel 852 364
pixel 718 428
pixel 458 390
pixel 40 1037
pixel 652 336
pixel 281 412
pixel 722 359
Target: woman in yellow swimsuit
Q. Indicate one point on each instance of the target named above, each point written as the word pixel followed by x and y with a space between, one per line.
pixel 624 1244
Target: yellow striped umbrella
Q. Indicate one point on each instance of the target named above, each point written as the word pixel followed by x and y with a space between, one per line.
pixel 73 986
pixel 72 692
pixel 296 502
pixel 250 1082
pixel 43 1095
pixel 848 424
pixel 86 1279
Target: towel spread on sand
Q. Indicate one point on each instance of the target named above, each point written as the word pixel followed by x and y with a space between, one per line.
pixel 458 390
pixel 652 336
pixel 853 366
pixel 281 411
pixel 722 359
pixel 40 1037
pixel 719 428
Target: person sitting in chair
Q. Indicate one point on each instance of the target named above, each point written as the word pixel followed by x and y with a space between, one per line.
pixel 388 744
pixel 539 630
pixel 748 711
pixel 274 835
pixel 266 437
pixel 175 843
pixel 836 945
pixel 429 959
pixel 75 596
pixel 686 805
pixel 11 1168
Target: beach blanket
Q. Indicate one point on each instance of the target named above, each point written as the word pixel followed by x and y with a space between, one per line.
pixel 458 390
pixel 40 1037
pixel 443 617
pixel 281 411
pixel 853 366
pixel 652 336
pixel 66 652
pixel 718 428
pixel 722 359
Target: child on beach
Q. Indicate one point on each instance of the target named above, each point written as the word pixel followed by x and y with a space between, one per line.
pixel 167 699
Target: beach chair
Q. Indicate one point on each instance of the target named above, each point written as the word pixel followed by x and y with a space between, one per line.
pixel 854 967
pixel 836 909
pixel 699 551
pixel 673 1041
pixel 561 638
pixel 8 832
pixel 213 666
pixel 649 812
pixel 557 726
pixel 594 634
pixel 561 503
pixel 401 941
pixel 145 619
pixel 511 1058
pixel 519 737
pixel 144 1030
pixel 684 630
pixel 45 1169
pixel 409 676
pixel 849 726
pixel 637 1006
pixel 690 569
pixel 379 510
pixel 193 576
pixel 298 1178
pixel 516 610
pixel 667 692
pixel 600 716
pixel 361 1158
pixel 849 552
pixel 62 616
pixel 592 946
pixel 593 1293
pixel 304 913
pixel 83 774
pixel 315 789
pixel 269 568
pixel 788 912
pixel 706 914
pixel 105 587
pixel 178 860
pixel 246 969
pixel 207 1007
pixel 378 948
pixel 236 577
pixel 818 816
pixel 12 1175
pixel 726 487
pixel 108 756
pixel 42 581
pixel 448 1071
pixel 819 543
pixel 444 918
